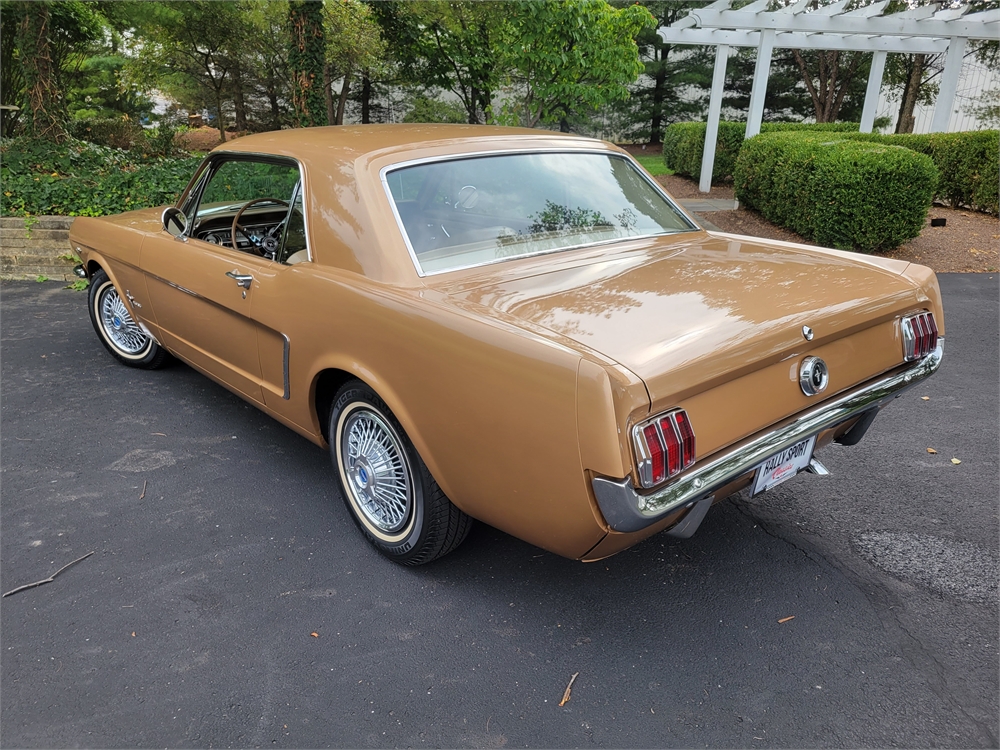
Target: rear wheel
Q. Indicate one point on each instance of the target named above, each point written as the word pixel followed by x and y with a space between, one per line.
pixel 387 488
pixel 117 330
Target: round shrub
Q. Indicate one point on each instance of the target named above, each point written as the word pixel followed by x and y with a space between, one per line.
pixel 852 195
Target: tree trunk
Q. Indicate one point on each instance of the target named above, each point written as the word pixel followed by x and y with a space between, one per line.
pixel 366 99
pixel 474 109
pixel 218 116
pixel 306 55
pixel 43 95
pixel 659 81
pixel 485 100
pixel 905 122
pixel 344 91
pixel 563 125
pixel 239 101
pixel 331 112
pixel 272 98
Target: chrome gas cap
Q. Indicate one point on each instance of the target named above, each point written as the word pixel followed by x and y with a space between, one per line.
pixel 814 376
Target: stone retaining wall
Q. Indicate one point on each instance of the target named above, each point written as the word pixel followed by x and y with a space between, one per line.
pixel 33 252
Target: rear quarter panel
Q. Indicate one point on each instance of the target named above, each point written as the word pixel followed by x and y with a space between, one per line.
pixel 491 408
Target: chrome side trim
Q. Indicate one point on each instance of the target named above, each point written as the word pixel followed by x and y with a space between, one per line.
pixel 284 367
pixel 626 510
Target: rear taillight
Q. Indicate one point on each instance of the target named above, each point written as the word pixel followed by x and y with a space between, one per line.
pixel 664 447
pixel 920 335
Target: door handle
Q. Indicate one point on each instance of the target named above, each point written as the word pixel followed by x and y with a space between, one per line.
pixel 241 279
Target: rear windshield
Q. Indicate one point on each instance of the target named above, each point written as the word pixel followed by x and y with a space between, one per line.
pixel 474 211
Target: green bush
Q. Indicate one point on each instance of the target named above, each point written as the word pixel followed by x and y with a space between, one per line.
pixel 113 132
pixel 684 143
pixel 968 162
pixel 83 179
pixel 426 109
pixel 868 197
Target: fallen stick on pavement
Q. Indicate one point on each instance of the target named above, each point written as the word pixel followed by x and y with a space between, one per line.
pixel 47 580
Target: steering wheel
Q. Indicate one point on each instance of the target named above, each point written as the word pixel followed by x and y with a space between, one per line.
pixel 269 243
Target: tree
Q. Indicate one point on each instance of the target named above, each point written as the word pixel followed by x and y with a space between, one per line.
pixel 660 97
pixel 48 110
pixel 189 48
pixel 462 50
pixel 43 35
pixel 913 78
pixel 267 58
pixel 787 97
pixel 835 72
pixel 354 44
pixel 306 58
pixel 12 91
pixel 570 55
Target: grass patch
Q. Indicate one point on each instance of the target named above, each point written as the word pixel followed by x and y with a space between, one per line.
pixel 653 164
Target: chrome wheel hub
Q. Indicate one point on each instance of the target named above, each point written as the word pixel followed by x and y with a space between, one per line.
pixel 119 326
pixel 378 475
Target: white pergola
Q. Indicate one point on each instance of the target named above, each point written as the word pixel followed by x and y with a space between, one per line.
pixel 928 29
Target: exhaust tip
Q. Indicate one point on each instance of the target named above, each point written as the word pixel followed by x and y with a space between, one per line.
pixel 80 271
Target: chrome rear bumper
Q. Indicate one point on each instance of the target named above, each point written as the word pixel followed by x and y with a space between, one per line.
pixel 626 510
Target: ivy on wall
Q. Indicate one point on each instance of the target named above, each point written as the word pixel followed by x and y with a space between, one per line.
pixel 306 56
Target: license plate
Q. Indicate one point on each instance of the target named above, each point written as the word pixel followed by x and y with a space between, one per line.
pixel 783 465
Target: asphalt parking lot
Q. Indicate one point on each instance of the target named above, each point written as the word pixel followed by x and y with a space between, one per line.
pixel 230 602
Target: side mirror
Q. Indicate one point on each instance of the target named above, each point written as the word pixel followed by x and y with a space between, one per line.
pixel 174 221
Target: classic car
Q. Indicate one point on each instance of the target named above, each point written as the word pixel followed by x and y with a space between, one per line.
pixel 515 326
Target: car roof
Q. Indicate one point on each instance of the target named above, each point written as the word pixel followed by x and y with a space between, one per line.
pixel 352 141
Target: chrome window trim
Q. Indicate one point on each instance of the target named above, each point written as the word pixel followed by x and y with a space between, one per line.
pixel 625 510
pixel 384 171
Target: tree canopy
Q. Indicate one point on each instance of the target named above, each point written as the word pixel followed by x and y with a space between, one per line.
pixel 248 65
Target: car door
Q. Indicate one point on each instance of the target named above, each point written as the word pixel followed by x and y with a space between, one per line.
pixel 201 287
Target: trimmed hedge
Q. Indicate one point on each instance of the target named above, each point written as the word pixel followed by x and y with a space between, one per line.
pixel 82 179
pixel 837 192
pixel 968 162
pixel 684 143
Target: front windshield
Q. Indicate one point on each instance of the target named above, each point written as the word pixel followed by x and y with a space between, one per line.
pixel 474 211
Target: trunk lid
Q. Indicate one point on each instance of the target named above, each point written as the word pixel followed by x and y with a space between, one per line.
pixel 693 314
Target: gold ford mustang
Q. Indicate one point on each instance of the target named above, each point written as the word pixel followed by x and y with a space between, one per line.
pixel 510 325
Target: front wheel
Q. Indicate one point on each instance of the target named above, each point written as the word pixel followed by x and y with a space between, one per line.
pixel 387 488
pixel 118 331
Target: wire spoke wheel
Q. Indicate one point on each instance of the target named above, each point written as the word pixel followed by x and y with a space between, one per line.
pixel 379 477
pixel 118 324
pixel 120 333
pixel 386 486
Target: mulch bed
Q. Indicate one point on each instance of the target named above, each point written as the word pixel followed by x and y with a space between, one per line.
pixel 968 243
pixel 201 139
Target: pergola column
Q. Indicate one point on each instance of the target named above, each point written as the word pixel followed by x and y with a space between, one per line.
pixel 949 82
pixel 714 113
pixel 761 72
pixel 871 93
